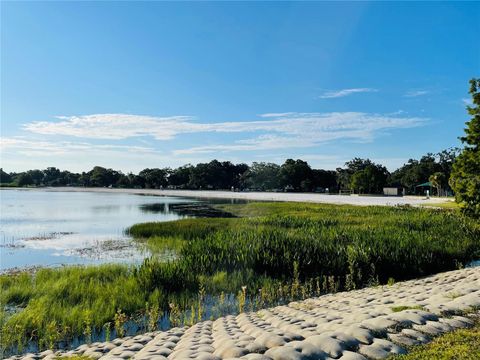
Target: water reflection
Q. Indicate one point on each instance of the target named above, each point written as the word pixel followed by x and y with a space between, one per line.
pixel 40 227
pixel 157 208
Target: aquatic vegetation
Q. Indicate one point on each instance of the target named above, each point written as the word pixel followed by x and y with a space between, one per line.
pixel 119 321
pixel 273 253
pixel 76 298
pixel 187 229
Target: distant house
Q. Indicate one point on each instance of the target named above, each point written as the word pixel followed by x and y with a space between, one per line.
pixel 393 191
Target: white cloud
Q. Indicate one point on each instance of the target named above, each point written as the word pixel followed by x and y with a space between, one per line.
pixel 318 126
pixel 113 126
pixel 302 130
pixel 467 101
pixel 270 115
pixel 20 154
pixel 415 93
pixel 274 132
pixel 28 147
pixel 345 92
pixel 264 142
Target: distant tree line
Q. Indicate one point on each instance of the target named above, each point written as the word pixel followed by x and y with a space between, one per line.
pixel 358 175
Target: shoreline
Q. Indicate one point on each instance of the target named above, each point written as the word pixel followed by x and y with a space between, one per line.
pixel 367 200
pixel 372 322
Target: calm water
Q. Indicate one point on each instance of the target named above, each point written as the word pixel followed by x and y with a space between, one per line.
pixel 39 227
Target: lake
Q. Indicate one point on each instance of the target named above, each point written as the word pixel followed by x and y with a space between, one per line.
pixel 48 228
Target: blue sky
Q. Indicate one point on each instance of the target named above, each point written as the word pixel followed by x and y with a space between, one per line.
pixel 150 84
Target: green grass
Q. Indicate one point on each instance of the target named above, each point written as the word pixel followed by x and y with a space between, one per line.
pixel 57 303
pixel 325 240
pixel 445 205
pixel 458 345
pixel 403 307
pixel 187 229
pixel 279 251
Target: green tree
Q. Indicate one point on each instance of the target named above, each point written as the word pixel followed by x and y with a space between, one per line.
pixel 216 175
pixel 344 176
pixel 24 179
pixel 359 181
pixel 263 176
pixel 363 175
pixel 369 180
pixel 438 180
pixel 37 176
pixel 5 178
pixel 416 172
pixel 84 179
pixel 51 176
pixel 100 176
pixel 324 179
pixel 154 178
pixel 297 174
pixel 465 177
pixel 180 177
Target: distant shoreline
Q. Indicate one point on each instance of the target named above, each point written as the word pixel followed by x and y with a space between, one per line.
pixel 261 196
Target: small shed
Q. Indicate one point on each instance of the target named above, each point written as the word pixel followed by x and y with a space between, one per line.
pixel 393 191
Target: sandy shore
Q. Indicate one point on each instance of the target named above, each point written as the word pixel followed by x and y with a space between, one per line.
pixel 270 196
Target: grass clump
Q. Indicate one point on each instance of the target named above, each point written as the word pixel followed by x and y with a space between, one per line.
pixel 458 345
pixel 404 307
pixel 187 229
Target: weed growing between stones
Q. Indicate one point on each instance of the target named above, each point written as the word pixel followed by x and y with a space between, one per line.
pixel 403 307
pixel 461 344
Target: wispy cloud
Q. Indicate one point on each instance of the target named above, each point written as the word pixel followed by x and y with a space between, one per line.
pixel 415 93
pixel 345 92
pixel 303 130
pixel 301 127
pixel 264 142
pixel 24 153
pixel 32 147
pixel 76 142
pixel 114 126
pixel 273 115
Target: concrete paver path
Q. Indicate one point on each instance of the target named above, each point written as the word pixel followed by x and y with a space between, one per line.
pixel 355 325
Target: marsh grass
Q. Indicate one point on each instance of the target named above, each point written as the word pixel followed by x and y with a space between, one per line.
pixel 273 253
pixel 364 242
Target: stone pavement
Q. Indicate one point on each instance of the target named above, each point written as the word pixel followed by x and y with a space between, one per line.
pixel 355 325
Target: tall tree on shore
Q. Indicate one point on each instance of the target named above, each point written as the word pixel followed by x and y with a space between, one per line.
pixel 465 177
pixel 297 174
pixel 263 176
pixel 363 176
